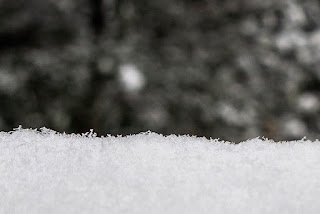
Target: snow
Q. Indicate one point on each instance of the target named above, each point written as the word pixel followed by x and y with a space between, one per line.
pixel 47 172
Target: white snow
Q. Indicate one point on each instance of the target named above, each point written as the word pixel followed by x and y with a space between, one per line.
pixel 46 172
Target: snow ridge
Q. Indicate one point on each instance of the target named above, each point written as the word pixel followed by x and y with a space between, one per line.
pixel 48 172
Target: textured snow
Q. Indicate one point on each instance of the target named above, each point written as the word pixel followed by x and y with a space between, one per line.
pixel 46 172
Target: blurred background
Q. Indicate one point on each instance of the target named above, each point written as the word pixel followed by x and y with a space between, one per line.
pixel 225 69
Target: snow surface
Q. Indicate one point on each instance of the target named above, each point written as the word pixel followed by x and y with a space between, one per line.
pixel 46 172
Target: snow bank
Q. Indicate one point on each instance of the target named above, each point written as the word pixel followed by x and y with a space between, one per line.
pixel 46 172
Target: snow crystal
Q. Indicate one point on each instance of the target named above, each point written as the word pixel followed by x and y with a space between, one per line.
pixel 47 172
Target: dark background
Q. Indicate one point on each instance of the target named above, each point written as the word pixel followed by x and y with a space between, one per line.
pixel 229 69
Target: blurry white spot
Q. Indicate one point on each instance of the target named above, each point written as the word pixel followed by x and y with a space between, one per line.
pixel 155 117
pixel 305 55
pixel 315 38
pixel 41 58
pixel 314 45
pixel 249 27
pixel 60 118
pixel 236 117
pixel 247 62
pixel 8 82
pixel 296 14
pixel 308 103
pixel 288 41
pixel 294 128
pixel 131 78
